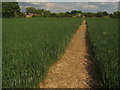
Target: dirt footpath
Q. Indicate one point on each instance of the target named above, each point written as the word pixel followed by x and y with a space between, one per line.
pixel 71 71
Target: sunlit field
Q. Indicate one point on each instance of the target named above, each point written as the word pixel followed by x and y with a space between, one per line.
pixel 31 45
pixel 103 37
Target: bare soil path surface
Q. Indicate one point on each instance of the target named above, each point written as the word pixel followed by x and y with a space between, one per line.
pixel 73 68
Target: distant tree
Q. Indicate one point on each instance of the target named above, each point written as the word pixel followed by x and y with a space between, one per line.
pixel 115 14
pixel 89 14
pixel 31 10
pixel 79 12
pixel 10 9
pixel 40 12
pixel 67 14
pixel 21 14
pixel 111 15
pixel 74 12
pixel 105 13
pixel 47 13
pixel 99 14
pixel 60 14
pixel 53 15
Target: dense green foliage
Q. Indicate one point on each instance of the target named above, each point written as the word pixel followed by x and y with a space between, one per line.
pixel 115 14
pixel 31 10
pixel 103 35
pixel 46 13
pixel 30 46
pixel 77 13
pixel 102 14
pixel 10 9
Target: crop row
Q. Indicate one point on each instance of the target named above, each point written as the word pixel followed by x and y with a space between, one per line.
pixel 103 36
pixel 30 46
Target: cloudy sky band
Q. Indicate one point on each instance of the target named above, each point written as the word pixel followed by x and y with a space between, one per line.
pixel 61 0
pixel 68 0
pixel 68 6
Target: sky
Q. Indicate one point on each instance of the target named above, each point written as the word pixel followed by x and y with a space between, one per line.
pixel 68 0
pixel 61 0
pixel 68 6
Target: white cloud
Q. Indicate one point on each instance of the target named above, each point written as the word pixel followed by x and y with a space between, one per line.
pixel 50 5
pixel 86 5
pixel 55 6
pixel 103 3
pixel 36 3
pixel 90 6
pixel 24 6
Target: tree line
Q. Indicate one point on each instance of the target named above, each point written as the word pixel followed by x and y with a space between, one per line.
pixel 12 9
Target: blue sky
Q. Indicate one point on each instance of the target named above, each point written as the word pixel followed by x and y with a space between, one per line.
pixel 68 6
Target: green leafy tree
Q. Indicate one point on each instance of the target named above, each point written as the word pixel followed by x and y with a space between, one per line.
pixel 74 12
pixel 89 14
pixel 99 14
pixel 21 14
pixel 115 14
pixel 31 10
pixel 47 13
pixel 10 9
pixel 68 14
pixel 53 15
pixel 60 14
pixel 40 11
pixel 105 13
